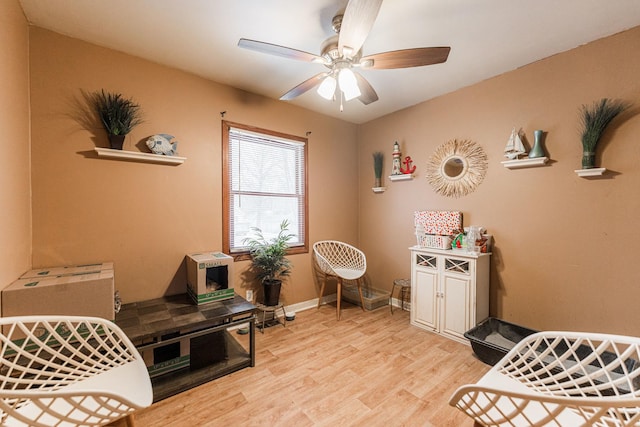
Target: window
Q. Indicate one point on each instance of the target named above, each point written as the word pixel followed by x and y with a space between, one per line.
pixel 264 183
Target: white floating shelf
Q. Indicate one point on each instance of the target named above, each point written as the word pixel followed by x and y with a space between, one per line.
pixel 379 189
pixel 403 177
pixel 139 156
pixel 525 163
pixel 590 172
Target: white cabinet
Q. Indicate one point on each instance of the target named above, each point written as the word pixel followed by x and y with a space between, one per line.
pixel 449 290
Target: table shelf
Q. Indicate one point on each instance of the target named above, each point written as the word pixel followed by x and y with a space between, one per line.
pixel 164 329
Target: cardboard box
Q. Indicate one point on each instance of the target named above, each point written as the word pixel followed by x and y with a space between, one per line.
pixel 89 294
pixel 209 277
pixel 68 270
pixel 186 352
pixel 168 358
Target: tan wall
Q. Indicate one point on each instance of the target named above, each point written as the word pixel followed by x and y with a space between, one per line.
pixel 565 255
pixel 146 217
pixel 15 196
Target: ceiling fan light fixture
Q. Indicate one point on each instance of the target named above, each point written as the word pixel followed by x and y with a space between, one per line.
pixel 348 84
pixel 327 88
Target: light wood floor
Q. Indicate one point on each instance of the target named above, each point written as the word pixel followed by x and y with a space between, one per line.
pixel 368 369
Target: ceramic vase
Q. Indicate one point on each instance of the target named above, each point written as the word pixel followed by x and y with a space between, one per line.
pixel 537 150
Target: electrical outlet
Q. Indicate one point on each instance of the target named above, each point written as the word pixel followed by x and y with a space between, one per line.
pixel 249 295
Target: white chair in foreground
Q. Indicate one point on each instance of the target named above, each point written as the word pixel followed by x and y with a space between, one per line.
pixel 342 261
pixel 562 379
pixel 69 371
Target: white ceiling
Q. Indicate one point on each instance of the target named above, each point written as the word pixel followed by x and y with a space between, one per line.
pixel 487 38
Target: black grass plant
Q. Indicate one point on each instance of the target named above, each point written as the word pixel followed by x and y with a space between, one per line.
pixel 378 159
pixel 596 118
pixel 118 114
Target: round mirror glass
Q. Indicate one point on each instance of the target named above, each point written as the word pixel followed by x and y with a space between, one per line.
pixel 453 167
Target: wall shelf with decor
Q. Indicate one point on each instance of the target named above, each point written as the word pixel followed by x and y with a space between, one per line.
pixel 403 177
pixel 378 189
pixel 590 172
pixel 139 156
pixel 525 163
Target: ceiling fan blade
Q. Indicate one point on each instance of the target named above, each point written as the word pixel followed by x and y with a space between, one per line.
pixel 357 21
pixel 406 58
pixel 367 94
pixel 304 86
pixel 274 49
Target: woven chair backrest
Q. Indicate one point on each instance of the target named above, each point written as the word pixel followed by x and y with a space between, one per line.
pixel 333 255
pixel 46 360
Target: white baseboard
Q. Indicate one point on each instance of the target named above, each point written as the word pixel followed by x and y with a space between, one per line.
pixel 313 303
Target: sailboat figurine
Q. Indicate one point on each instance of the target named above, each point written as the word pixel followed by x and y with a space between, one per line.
pixel 514 147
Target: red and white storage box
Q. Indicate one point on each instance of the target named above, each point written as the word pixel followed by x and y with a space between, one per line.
pixel 434 229
pixel 442 223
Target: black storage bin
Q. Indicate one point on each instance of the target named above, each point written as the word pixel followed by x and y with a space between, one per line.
pixel 493 338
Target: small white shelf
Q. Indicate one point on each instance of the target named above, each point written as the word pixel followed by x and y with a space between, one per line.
pixel 403 177
pixel 590 172
pixel 139 156
pixel 378 189
pixel 525 163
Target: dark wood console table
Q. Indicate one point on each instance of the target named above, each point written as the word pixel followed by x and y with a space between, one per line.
pixel 184 344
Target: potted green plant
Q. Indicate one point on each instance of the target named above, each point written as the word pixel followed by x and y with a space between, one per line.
pixel 268 260
pixel 118 115
pixel 595 119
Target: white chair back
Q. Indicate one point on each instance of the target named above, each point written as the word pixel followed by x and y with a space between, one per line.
pixel 560 379
pixel 68 370
pixel 337 258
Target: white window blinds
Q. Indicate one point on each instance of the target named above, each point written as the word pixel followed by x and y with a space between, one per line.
pixel 266 186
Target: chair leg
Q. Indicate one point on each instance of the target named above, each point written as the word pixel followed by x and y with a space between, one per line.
pixel 128 421
pixel 339 290
pixel 393 288
pixel 360 292
pixel 131 421
pixel 324 282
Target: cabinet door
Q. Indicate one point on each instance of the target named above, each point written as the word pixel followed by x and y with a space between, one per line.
pixel 424 301
pixel 455 305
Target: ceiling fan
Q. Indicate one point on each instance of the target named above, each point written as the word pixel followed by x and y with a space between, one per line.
pixel 343 52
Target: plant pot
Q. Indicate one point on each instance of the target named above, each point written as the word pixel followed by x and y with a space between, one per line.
pixel 116 141
pixel 588 160
pixel 271 290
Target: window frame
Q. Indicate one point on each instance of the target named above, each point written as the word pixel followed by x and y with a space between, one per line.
pixel 226 188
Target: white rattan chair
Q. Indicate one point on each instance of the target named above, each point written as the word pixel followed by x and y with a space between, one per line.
pixel 562 379
pixel 342 261
pixel 69 371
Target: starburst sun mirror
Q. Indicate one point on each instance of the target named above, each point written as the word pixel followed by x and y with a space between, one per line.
pixel 456 168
